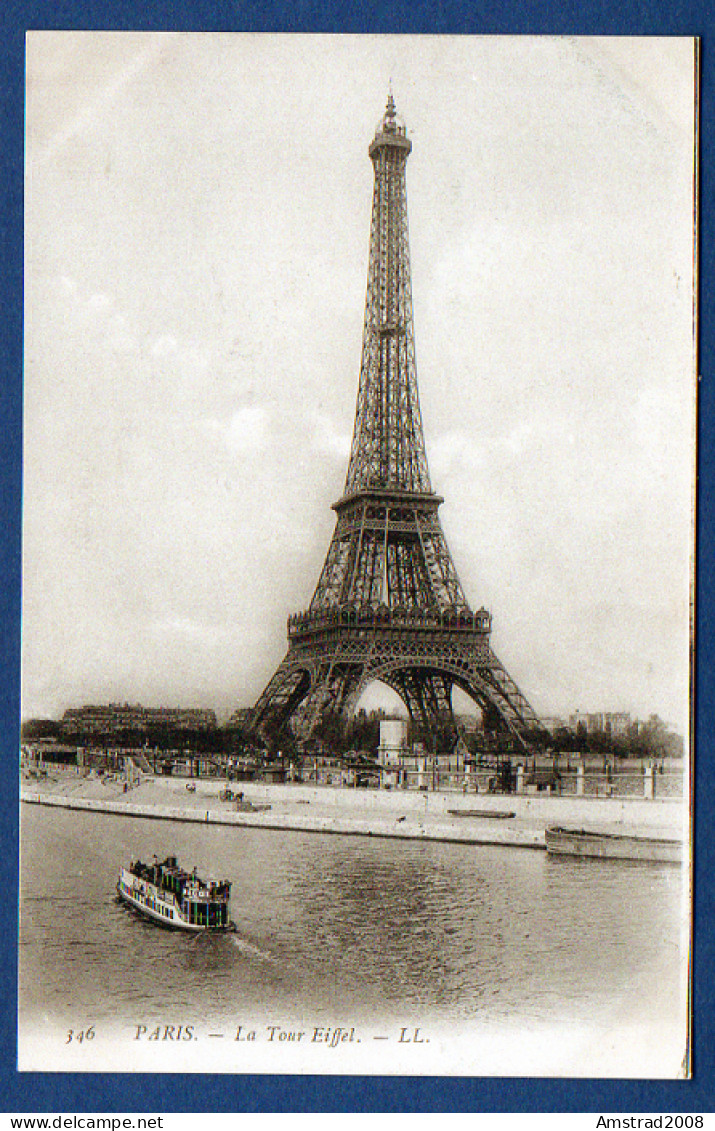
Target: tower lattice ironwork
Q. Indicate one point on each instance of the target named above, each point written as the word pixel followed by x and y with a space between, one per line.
pixel 389 605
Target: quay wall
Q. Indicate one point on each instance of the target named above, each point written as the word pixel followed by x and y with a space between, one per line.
pixel 551 809
pixel 401 814
pixel 336 823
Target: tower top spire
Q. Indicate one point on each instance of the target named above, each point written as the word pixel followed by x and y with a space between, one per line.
pixel 391 128
pixel 390 111
pixel 388 449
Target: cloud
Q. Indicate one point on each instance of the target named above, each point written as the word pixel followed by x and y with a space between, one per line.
pixel 95 107
pixel 164 346
pixel 98 313
pixel 99 302
pixel 119 337
pixel 247 430
pixel 455 451
pixel 190 629
pixel 327 438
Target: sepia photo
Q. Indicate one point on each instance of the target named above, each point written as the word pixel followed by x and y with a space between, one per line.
pixel 358 481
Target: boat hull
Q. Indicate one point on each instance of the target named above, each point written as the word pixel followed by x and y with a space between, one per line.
pixel 482 814
pixel 612 846
pixel 159 907
pixel 147 911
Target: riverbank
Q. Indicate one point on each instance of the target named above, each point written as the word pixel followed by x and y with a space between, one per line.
pixel 514 820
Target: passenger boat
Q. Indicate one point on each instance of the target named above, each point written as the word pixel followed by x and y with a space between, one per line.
pixel 176 898
pixel 613 846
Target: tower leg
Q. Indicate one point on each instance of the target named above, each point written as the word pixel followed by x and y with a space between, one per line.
pixel 333 690
pixel 287 688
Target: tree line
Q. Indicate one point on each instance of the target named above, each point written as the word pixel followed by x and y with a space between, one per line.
pixel 339 734
pixel 651 739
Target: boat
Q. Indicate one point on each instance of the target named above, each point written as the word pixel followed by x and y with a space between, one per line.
pixel 613 846
pixel 169 895
pixel 247 806
pixel 495 814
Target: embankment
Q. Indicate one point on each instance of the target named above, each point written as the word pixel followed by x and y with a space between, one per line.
pixel 516 820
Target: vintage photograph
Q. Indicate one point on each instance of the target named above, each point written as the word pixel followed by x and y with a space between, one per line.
pixel 359 418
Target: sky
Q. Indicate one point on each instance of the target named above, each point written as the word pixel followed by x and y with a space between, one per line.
pixel 197 229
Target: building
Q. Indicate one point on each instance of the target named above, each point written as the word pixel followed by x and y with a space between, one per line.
pixel 615 723
pixel 410 765
pixel 116 717
pixel 38 755
pixel 552 723
pixel 393 751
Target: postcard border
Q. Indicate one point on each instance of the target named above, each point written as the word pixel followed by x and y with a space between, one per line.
pixel 108 1092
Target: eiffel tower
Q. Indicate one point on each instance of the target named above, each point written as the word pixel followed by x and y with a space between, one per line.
pixel 389 605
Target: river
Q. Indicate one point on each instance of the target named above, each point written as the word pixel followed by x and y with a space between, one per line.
pixel 347 930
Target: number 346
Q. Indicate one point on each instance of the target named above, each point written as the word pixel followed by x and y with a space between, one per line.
pixel 80 1035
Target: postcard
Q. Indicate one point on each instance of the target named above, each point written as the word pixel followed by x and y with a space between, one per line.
pixel 359 416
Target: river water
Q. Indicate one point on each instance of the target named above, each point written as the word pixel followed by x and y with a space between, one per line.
pixel 457 937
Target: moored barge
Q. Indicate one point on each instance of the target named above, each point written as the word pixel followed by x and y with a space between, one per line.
pixel 482 814
pixel 176 898
pixel 612 846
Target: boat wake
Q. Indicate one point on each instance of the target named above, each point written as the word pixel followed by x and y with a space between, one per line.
pixel 250 949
